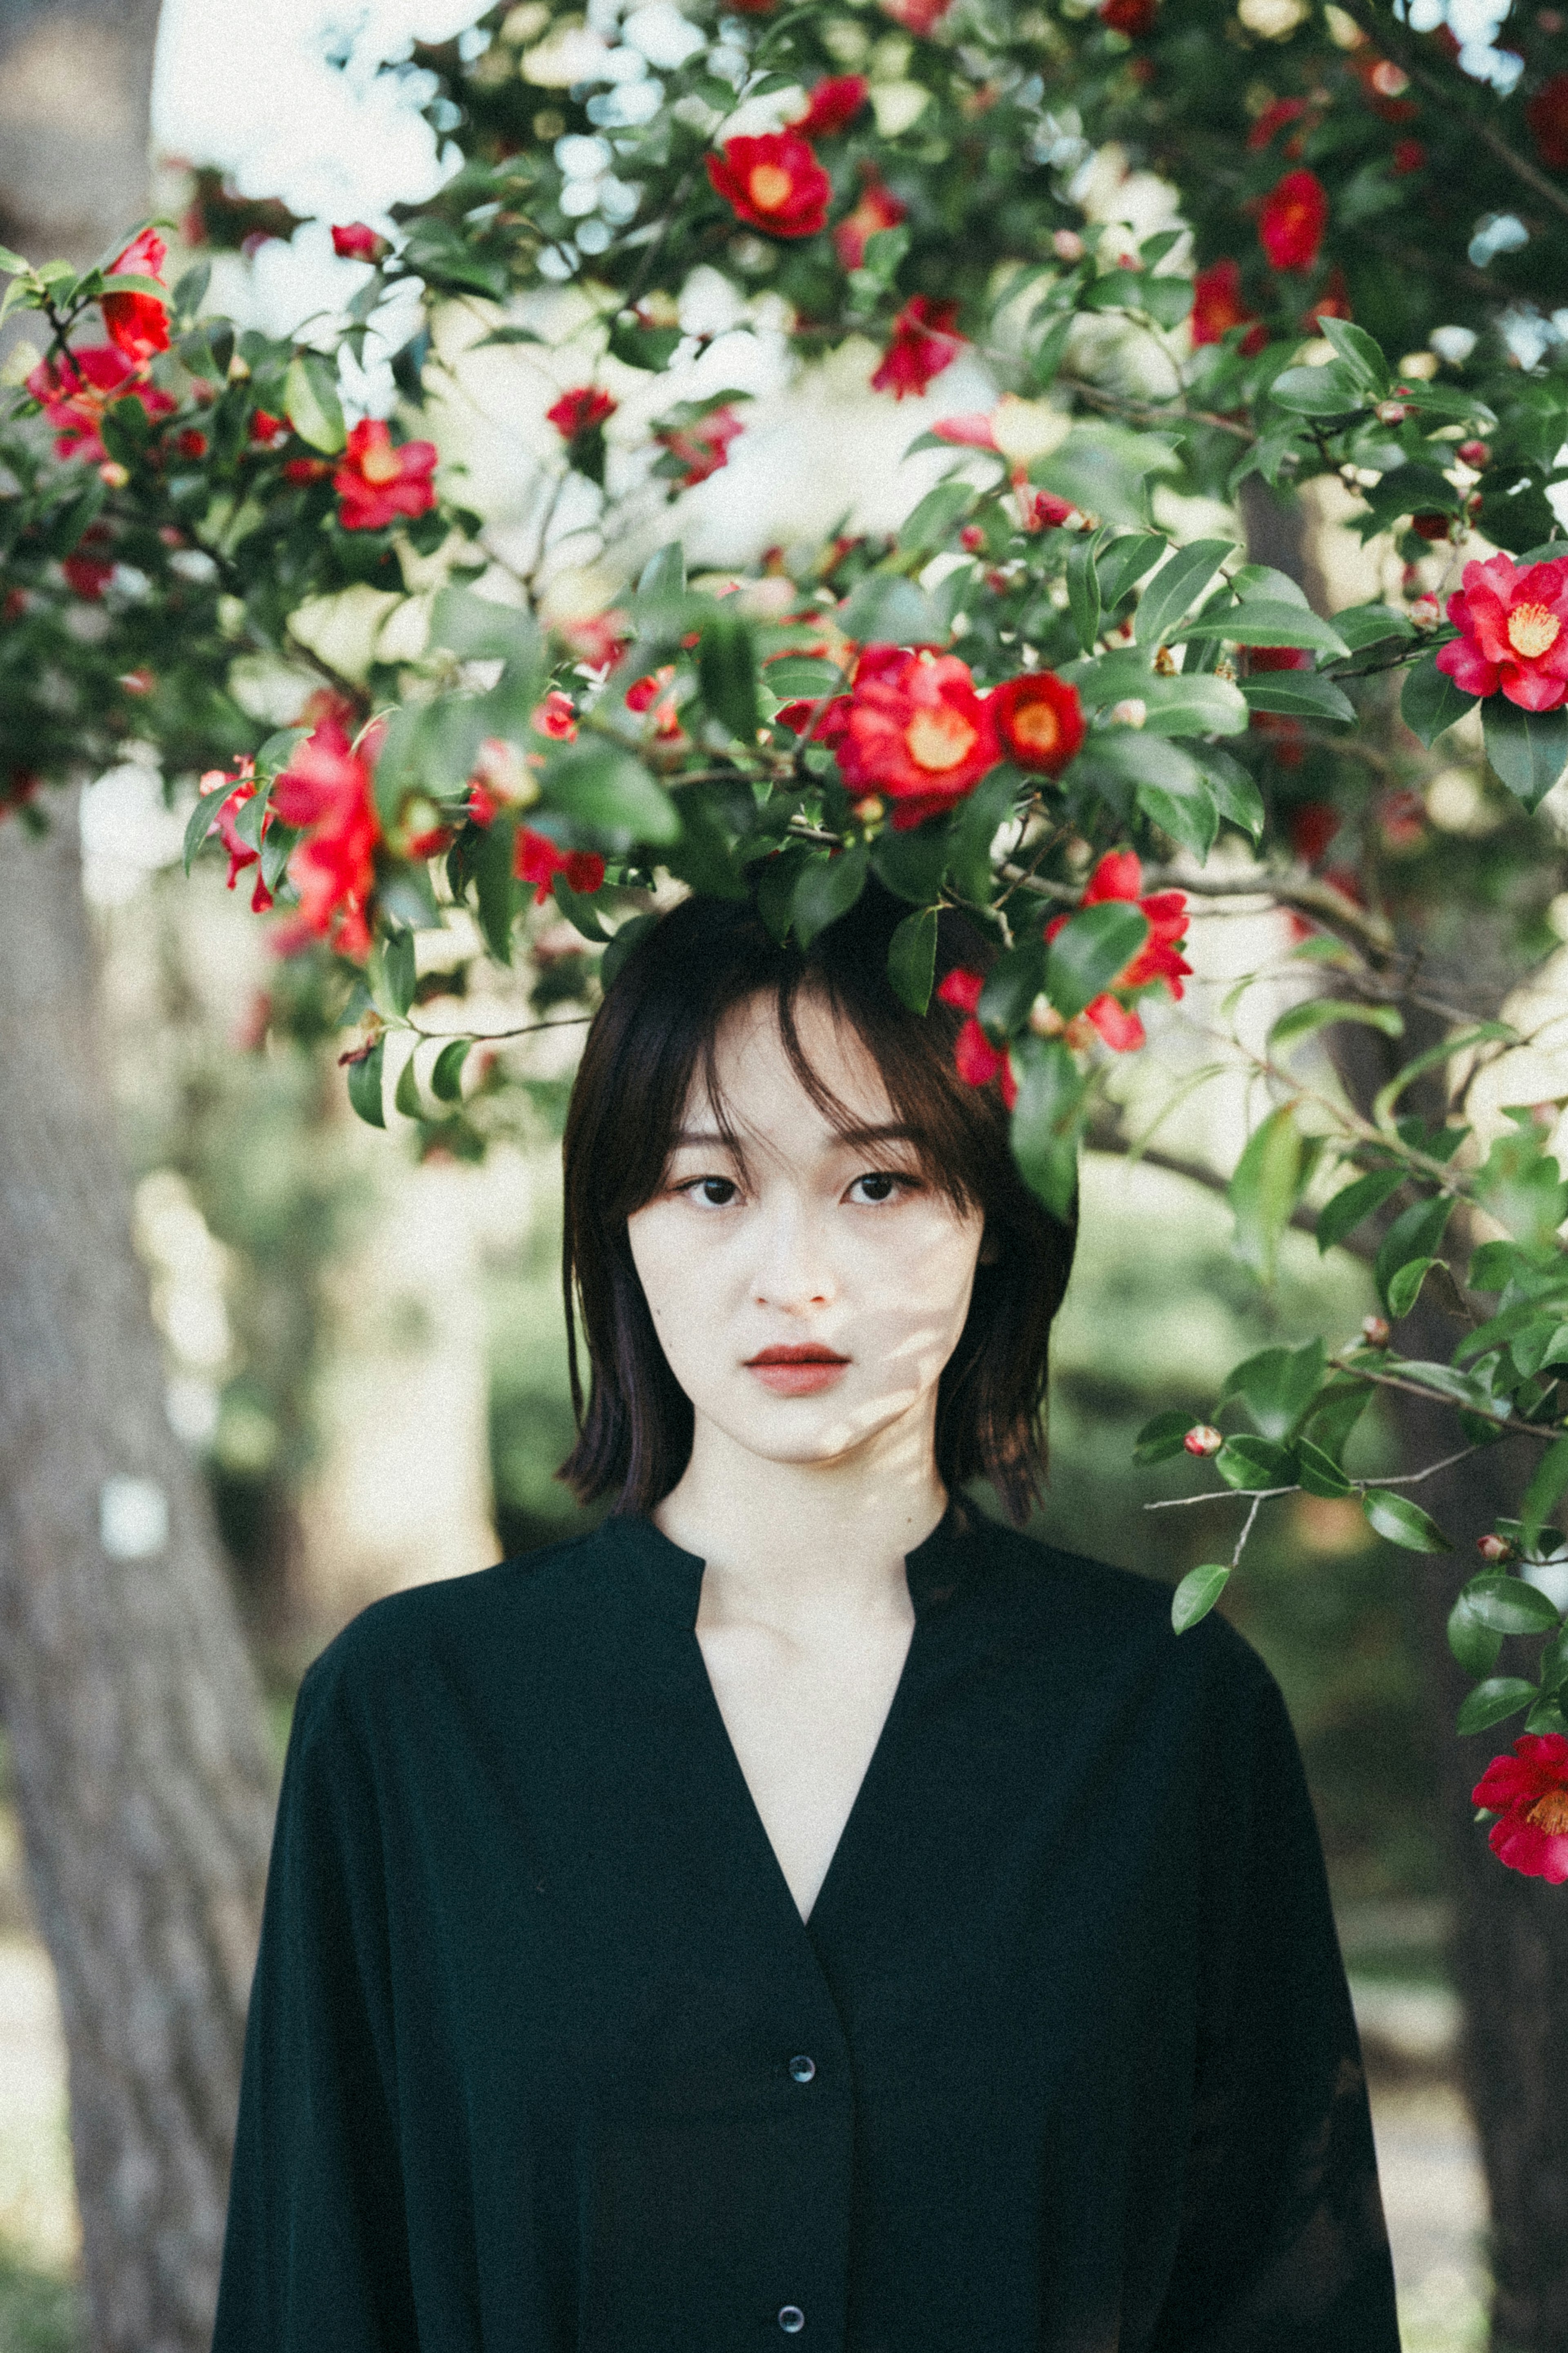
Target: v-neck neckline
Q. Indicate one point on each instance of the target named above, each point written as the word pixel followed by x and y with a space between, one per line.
pixel 933 1570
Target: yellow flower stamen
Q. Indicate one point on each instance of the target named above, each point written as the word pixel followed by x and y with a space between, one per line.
pixel 1532 630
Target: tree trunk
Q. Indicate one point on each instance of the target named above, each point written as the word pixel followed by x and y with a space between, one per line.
pixel 75 80
pixel 138 1745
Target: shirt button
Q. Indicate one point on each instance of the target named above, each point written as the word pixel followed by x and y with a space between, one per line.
pixel 803 2069
pixel 791 2320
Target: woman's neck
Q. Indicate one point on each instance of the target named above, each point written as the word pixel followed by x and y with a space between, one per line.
pixel 786 1541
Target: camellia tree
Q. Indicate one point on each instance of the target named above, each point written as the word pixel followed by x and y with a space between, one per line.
pixel 1034 702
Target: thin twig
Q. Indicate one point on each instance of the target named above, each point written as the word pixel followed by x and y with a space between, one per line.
pixel 493 1037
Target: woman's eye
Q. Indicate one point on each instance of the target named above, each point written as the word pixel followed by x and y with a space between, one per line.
pixel 873 1189
pixel 717 1192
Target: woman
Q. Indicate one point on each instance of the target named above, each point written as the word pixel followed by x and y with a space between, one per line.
pixel 803 1907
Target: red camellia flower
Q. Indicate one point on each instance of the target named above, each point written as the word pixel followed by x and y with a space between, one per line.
pixel 306 470
pixel 357 241
pixel 917 732
pixel 1409 155
pixel 923 344
pixel 1039 721
pixel 774 183
pixel 1528 1793
pixel 579 410
pixel 326 789
pixel 1547 115
pixel 379 481
pixel 1133 18
pixel 138 324
pixel 833 107
pixel 828 726
pixel 877 208
pixel 265 430
pixel 1217 307
pixel 87 575
pixel 1119 876
pixel 1274 117
pixel 975 1058
pixel 1291 223
pixel 537 860
pixel 700 448
pixel 921 16
pixel 1513 633
pixel 75 392
pixel 232 793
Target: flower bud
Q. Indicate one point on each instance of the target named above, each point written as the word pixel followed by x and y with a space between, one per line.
pixel 972 537
pixel 1204 1439
pixel 1066 245
pixel 112 472
pixel 1494 1548
pixel 1132 712
pixel 239 369
pixel 1475 453
pixel 1391 412
pixel 1425 612
pixel 1374 1331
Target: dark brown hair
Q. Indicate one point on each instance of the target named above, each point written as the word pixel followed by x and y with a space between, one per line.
pixel 654 1033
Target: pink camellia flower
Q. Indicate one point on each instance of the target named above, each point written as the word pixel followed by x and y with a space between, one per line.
pixel 579 411
pixel 917 733
pixel 1528 1793
pixel 1513 636
pixel 975 1058
pixel 1217 307
pixel 1118 875
pixel 556 717
pixel 774 183
pixel 357 241
pixel 327 790
pixel 75 390
pixel 138 324
pixel 925 343
pixel 973 431
pixel 700 448
pixel 919 16
pixel 537 860
pixel 1291 225
pixel 833 106
pixel 378 481
pixel 877 208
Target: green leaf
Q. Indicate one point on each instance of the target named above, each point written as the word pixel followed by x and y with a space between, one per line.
pixel 579 910
pixel 1263 1191
pixel 490 863
pixel 476 629
pixel 607 788
pixel 1372 625
pixel 1277 1385
pixel 406 1095
pixel 1160 1438
pixel 1013 983
pixel 1177 585
pixel 312 405
pixel 1124 560
pixel 1236 796
pixel 639 346
pixel 911 959
pixel 934 520
pixel 399 969
pixel 1315 1013
pixel 1429 702
pixel 1403 1522
pixel 1331 391
pixel 1415 1233
pixel 1089 950
pixel 626 938
pixel 1475 1645
pixel 727 669
pixel 1405 1288
pixel 1193 703
pixel 1047 1120
pixel 886 609
pixel 12 264
pixel 827 888
pixel 1298 694
pixel 1362 358
pixel 1554 1666
pixel 1260 621
pixel 1549 1483
pixel 1319 1474
pixel 1198 1593
pixel 912 864
pixel 1506 1605
pixel 1528 749
pixel 1485 1033
pixel 1083 592
pixel 1246 1462
pixel 801 677
pixel 1490 1702
pixel 364 1085
pixel 446 1071
pixel 200 823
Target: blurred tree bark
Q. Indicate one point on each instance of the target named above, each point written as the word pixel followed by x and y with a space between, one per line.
pixel 137 1744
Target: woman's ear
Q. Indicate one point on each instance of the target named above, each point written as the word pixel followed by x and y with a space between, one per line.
pixel 990 1248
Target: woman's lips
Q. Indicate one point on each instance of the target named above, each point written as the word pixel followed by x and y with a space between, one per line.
pixel 796 1372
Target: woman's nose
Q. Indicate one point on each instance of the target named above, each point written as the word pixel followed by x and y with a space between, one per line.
pixel 792 1269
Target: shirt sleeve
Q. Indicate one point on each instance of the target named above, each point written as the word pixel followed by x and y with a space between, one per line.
pixel 316 2253
pixel 1282 2247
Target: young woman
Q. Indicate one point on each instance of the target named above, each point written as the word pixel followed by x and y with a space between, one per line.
pixel 803 1907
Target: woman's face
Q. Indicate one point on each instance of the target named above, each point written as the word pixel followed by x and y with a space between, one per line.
pixel 808 1292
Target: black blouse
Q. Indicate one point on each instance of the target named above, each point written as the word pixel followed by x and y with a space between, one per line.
pixel 543 2060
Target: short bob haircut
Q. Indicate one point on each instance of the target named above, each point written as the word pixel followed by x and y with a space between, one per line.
pixel 652 1038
